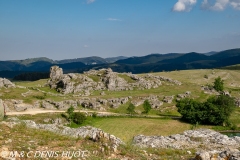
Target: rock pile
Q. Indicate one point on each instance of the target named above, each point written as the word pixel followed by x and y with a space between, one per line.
pixel 6 83
pixel 189 139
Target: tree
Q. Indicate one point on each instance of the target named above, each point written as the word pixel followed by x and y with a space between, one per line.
pixel 131 109
pixel 70 112
pixel 146 106
pixel 216 110
pixel 76 117
pixel 79 118
pixel 218 84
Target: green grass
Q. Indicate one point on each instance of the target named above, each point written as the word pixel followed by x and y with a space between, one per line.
pixel 126 78
pixel 127 128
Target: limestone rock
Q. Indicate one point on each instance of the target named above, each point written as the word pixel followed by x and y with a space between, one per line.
pixel 189 139
pixel 6 83
pixel 168 99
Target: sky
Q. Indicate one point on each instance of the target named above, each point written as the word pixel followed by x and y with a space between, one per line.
pixel 66 29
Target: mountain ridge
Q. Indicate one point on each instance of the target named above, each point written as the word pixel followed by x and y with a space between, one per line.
pixel 142 64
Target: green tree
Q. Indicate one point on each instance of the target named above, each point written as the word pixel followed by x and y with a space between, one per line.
pixel 146 106
pixel 70 112
pixel 79 117
pixel 131 109
pixel 216 110
pixel 218 84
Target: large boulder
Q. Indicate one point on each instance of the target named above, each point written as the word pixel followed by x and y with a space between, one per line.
pixel 1 110
pixel 56 74
pixel 113 82
pixel 6 83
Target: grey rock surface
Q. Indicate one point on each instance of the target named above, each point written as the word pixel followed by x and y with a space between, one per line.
pixel 6 83
pixel 189 139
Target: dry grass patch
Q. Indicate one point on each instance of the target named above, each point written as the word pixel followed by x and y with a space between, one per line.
pixel 127 128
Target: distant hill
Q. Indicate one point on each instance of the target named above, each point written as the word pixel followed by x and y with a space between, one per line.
pixel 29 61
pixel 144 64
pixel 152 58
pixel 210 53
pixel 226 54
pixel 87 60
pixel 114 59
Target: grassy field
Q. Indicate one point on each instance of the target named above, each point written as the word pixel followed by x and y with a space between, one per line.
pixel 127 128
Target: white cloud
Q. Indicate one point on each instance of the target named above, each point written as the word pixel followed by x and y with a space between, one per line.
pixel 235 4
pixel 113 19
pixel 184 5
pixel 220 5
pixel 90 1
pixel 85 46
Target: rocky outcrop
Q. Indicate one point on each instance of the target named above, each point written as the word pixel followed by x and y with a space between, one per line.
pixel 103 79
pixel 189 139
pixel 6 83
pixel 209 90
pixel 89 132
pixel 113 82
pixel 116 102
pixel 168 99
pixel 18 105
pixel 229 154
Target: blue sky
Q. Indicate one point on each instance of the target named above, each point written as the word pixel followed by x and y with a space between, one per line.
pixel 63 29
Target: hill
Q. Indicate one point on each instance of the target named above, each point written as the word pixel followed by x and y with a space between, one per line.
pixel 87 60
pixel 144 64
pixel 152 58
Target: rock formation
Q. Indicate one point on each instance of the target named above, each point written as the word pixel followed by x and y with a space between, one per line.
pixel 104 79
pixel 229 154
pixel 89 132
pixel 189 139
pixel 6 83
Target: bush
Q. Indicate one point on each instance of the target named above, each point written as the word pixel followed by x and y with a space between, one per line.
pixel 218 84
pixel 131 109
pixel 146 106
pixel 216 110
pixel 79 118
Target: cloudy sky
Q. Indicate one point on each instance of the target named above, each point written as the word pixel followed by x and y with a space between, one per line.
pixel 62 29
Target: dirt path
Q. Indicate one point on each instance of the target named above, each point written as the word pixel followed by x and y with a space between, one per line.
pixel 33 112
pixel 38 111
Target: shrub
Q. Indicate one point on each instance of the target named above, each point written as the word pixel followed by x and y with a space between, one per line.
pixel 146 106
pixel 131 109
pixel 216 110
pixel 94 115
pixel 79 118
pixel 70 112
pixel 218 84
